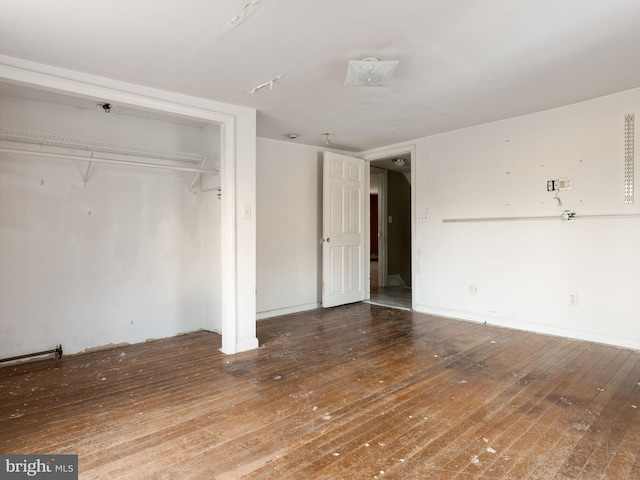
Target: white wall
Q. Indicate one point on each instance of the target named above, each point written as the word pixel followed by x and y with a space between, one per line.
pixel 211 239
pixel 288 227
pixel 245 183
pixel 526 270
pixel 211 286
pixel 128 257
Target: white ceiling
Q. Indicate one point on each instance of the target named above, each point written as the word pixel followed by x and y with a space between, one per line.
pixel 462 62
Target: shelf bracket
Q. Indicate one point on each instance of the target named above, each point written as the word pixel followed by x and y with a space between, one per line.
pixel 197 175
pixel 85 175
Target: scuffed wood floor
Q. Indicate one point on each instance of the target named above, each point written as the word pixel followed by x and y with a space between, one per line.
pixel 354 392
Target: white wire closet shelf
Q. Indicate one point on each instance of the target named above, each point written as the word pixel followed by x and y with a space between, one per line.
pixel 77 143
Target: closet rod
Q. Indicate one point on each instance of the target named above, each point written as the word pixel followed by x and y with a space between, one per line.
pixel 106 160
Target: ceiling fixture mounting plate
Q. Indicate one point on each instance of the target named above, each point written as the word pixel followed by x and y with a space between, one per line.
pixel 370 72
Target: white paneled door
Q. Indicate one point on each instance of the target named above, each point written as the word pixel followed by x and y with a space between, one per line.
pixel 344 192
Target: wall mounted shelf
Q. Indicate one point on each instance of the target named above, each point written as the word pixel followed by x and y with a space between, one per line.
pixel 89 145
pixel 565 217
pixel 163 159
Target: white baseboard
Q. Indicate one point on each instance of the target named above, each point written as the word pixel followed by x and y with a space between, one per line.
pixel 247 345
pixel 286 311
pixel 510 322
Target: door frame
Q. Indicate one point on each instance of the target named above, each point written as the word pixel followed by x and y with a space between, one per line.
pixel 386 152
pixel 382 227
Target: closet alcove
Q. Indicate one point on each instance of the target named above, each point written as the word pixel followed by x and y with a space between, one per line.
pixel 109 223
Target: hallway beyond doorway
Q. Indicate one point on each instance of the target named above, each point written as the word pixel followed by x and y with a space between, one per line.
pixel 396 297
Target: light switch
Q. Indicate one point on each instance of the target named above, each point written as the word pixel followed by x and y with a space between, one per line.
pixel 390 219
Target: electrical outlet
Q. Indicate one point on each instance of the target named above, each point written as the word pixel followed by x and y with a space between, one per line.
pixel 573 299
pixel 473 289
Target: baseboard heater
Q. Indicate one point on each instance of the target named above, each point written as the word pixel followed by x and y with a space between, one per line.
pixel 56 351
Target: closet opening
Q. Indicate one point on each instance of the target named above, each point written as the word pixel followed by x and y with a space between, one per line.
pixel 111 222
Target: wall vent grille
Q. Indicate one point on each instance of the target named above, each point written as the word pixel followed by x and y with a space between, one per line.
pixel 629 157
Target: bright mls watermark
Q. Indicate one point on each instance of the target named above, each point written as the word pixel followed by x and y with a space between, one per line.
pixel 51 467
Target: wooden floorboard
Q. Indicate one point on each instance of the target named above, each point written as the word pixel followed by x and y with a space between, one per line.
pixel 354 392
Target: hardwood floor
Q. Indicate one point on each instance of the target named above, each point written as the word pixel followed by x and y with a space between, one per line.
pixel 354 392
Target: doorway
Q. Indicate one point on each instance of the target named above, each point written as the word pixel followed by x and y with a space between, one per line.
pixel 390 232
